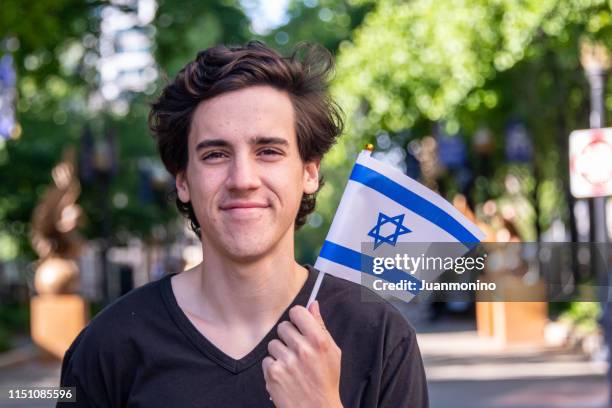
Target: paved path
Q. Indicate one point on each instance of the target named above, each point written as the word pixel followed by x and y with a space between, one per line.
pixel 467 371
pixel 33 373
pixel 464 370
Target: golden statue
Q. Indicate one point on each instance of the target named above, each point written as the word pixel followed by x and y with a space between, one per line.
pixel 57 313
pixel 54 230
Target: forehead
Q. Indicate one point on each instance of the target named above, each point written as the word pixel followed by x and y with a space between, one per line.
pixel 243 114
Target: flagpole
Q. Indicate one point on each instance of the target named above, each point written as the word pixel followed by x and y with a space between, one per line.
pixel 317 285
pixel 315 289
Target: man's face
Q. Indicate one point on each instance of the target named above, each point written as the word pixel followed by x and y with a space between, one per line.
pixel 245 177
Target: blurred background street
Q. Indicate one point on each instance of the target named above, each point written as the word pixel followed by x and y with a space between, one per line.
pixel 464 370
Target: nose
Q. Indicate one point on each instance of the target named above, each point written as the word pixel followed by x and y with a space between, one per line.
pixel 243 174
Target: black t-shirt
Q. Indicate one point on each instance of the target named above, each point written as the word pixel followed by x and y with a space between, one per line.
pixel 143 351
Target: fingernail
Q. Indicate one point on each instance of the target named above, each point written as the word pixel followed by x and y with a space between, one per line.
pixel 316 308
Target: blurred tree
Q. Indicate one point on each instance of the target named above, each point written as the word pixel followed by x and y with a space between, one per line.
pixel 48 41
pixel 475 63
pixel 325 22
pixel 186 26
pixel 41 29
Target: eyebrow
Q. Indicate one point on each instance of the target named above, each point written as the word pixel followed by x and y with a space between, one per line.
pixel 258 140
pixel 211 143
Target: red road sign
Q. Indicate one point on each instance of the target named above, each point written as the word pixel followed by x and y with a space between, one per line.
pixel 591 162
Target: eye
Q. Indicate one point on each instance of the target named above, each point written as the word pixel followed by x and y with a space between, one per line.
pixel 213 155
pixel 270 152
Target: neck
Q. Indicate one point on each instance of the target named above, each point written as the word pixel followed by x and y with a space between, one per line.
pixel 249 293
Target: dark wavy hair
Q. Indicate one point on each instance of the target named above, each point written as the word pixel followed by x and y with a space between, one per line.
pixel 304 76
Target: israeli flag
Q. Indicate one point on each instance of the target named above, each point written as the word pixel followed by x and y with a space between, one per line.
pixel 380 208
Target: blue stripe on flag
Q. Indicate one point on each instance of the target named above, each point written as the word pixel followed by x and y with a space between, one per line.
pixel 353 259
pixel 412 201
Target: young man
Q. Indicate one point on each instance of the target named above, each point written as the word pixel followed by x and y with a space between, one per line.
pixel 243 131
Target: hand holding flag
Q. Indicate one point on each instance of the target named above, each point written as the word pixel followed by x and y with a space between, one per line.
pixel 304 365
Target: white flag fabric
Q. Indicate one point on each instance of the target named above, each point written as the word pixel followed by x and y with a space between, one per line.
pixel 381 207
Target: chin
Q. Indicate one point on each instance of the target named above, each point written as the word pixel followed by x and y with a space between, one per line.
pixel 248 250
pixel 245 255
pixel 248 243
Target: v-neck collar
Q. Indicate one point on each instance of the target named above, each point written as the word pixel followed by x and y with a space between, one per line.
pixel 212 351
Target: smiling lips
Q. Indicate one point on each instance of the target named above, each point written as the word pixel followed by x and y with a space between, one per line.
pixel 243 207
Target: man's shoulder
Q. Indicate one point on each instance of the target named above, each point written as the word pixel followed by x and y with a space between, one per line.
pixel 363 308
pixel 143 300
pixel 125 316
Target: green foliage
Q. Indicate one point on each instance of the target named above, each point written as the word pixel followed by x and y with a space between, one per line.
pixel 476 63
pixel 13 319
pixel 325 22
pixel 48 40
pixel 583 316
pixel 185 27
pixel 42 28
pixel 418 59
pixel 5 342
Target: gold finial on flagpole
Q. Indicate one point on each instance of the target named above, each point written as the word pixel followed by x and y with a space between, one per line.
pixel 369 147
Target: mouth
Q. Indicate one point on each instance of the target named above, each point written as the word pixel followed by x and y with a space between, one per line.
pixel 244 207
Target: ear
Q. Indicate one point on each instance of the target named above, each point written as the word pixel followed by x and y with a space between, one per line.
pixel 182 187
pixel 311 176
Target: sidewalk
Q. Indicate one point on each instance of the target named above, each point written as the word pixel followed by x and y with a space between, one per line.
pixel 467 371
pixel 464 370
pixel 35 372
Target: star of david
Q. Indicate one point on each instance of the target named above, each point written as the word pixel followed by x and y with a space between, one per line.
pixel 390 239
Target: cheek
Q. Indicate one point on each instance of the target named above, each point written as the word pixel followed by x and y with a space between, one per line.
pixel 284 185
pixel 202 194
pixel 296 185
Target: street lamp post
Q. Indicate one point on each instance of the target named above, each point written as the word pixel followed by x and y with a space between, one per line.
pixel 106 166
pixel 98 167
pixel 595 60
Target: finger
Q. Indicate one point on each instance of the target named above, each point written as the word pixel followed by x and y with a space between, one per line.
pixel 306 323
pixel 279 350
pixel 290 335
pixel 265 365
pixel 316 312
